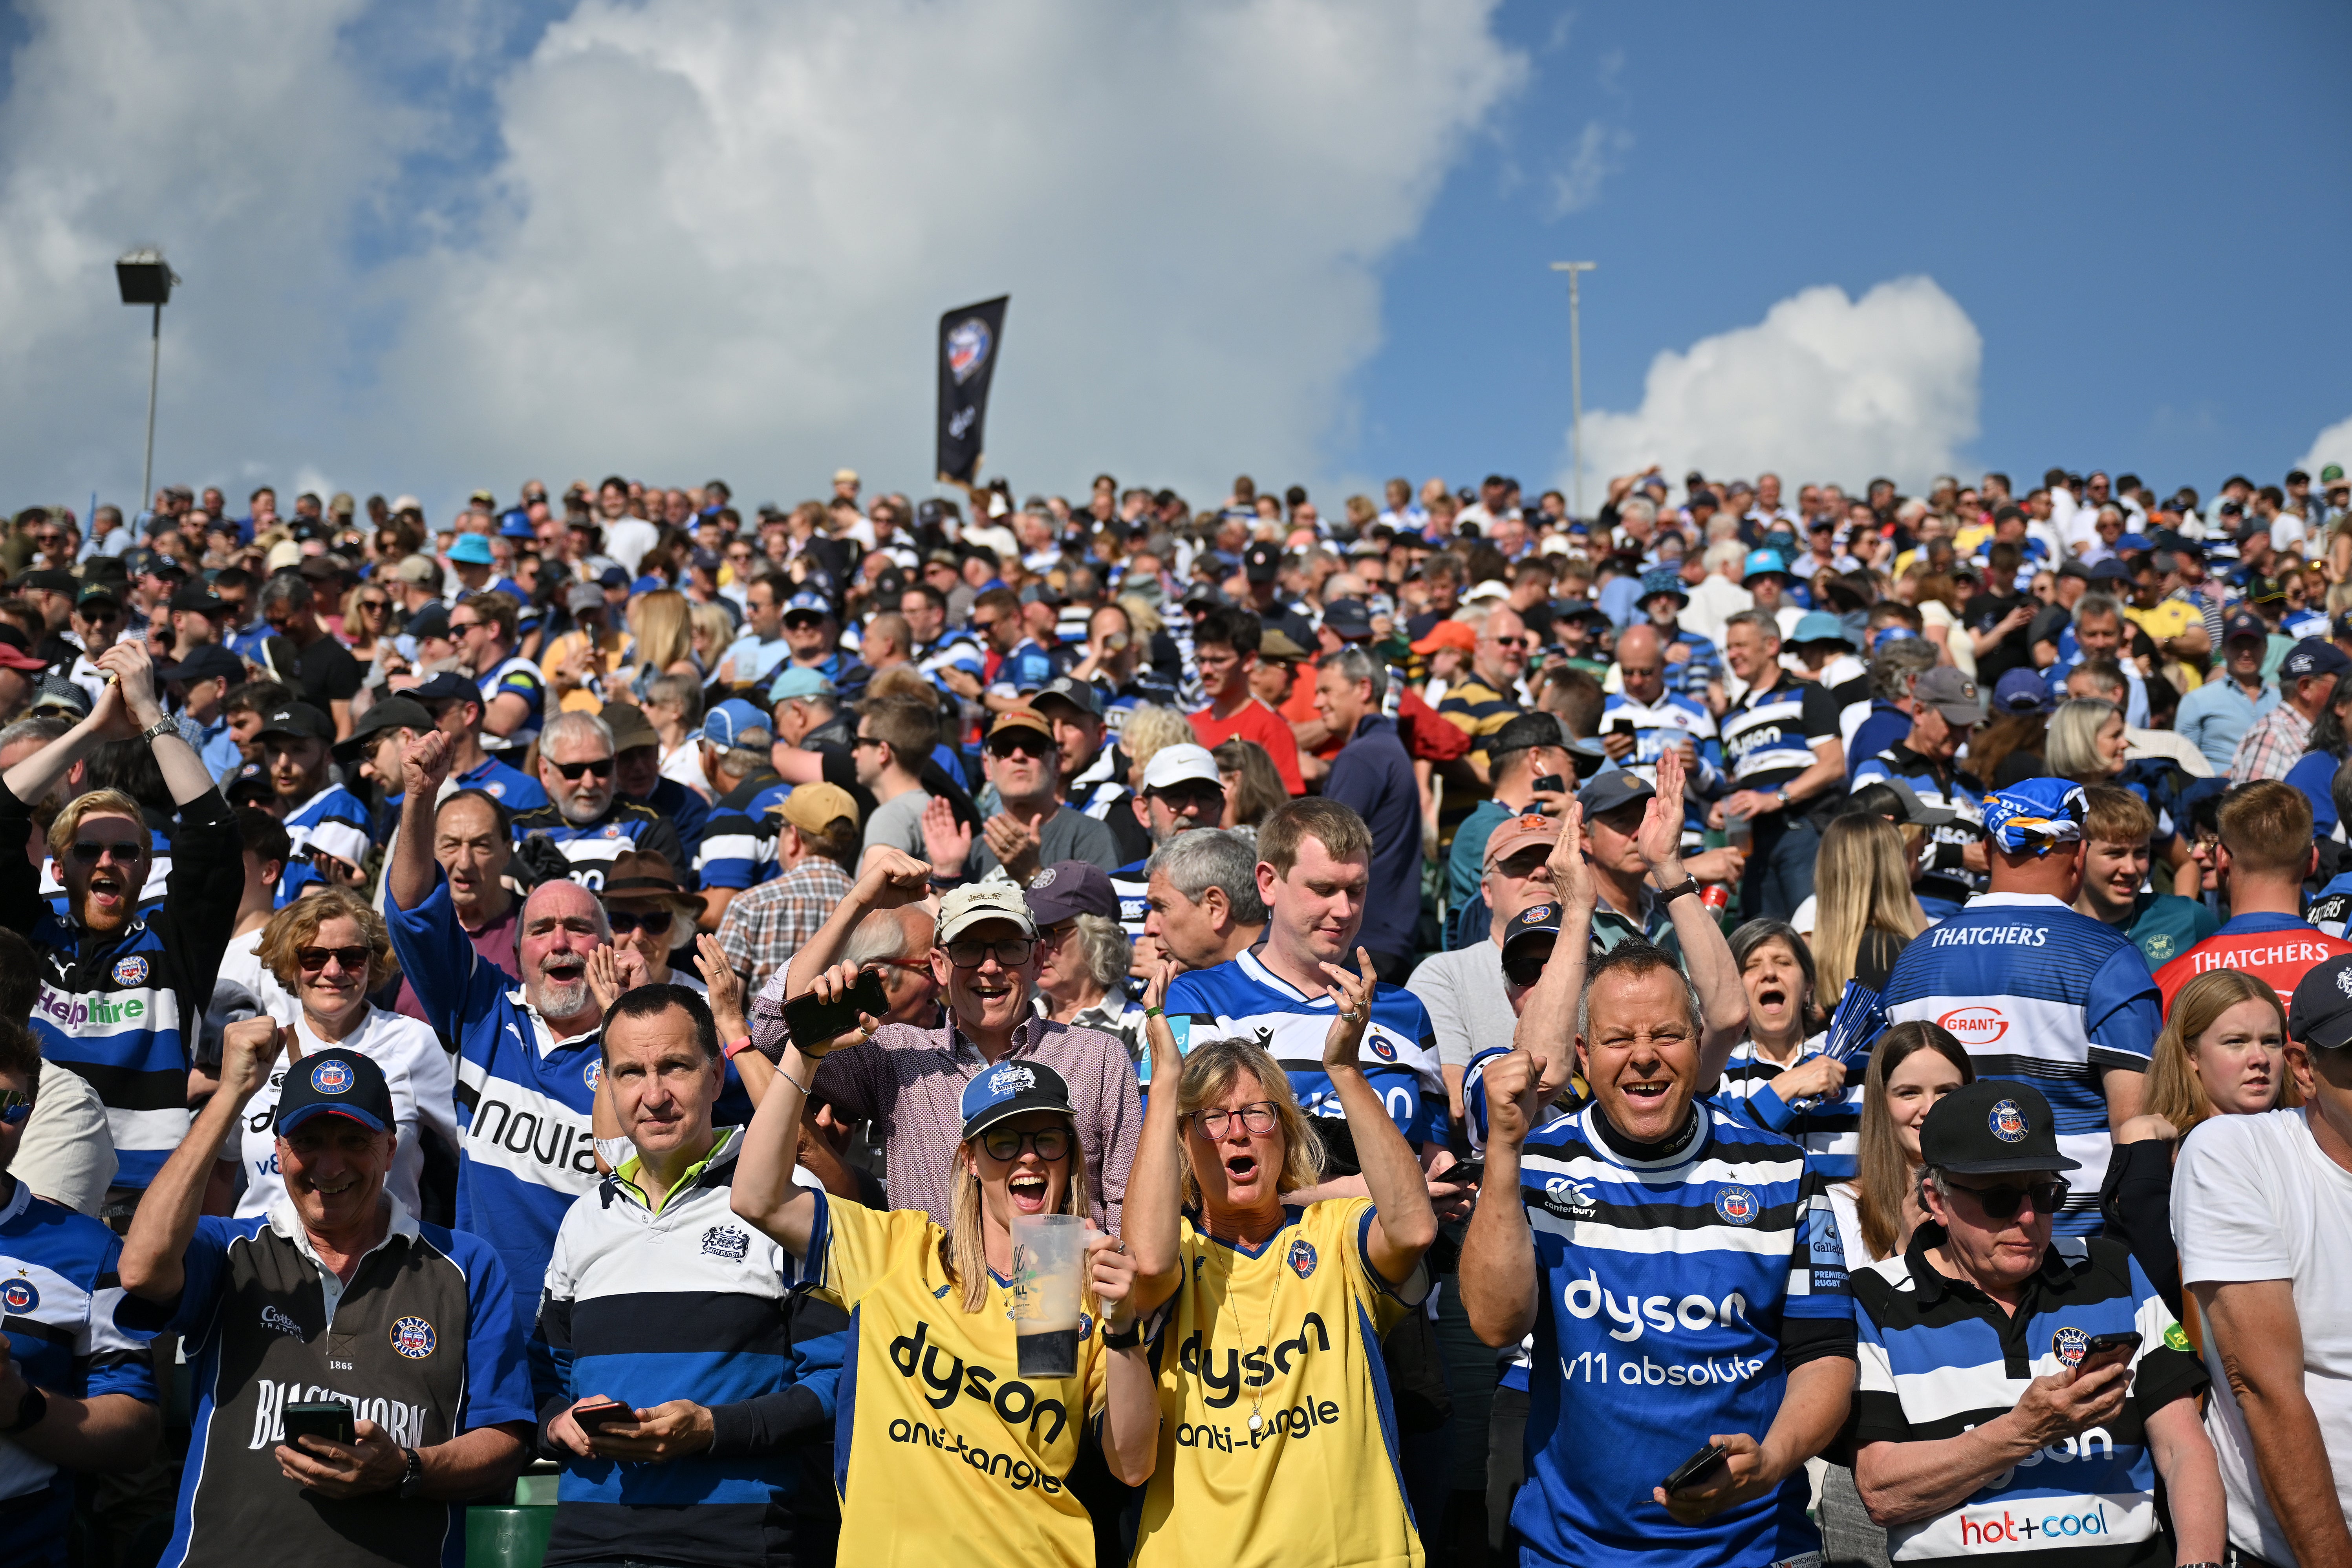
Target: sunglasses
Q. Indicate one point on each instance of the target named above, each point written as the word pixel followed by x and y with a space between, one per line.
pixel 2002 1202
pixel 602 767
pixel 980 626
pixel 1011 953
pixel 1524 969
pixel 87 851
pixel 314 959
pixel 16 1105
pixel 656 921
pixel 375 606
pixel 1051 1143
pixel 1019 745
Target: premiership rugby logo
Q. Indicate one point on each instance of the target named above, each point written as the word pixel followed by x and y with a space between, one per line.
pixel 1736 1205
pixel 19 1297
pixel 2068 1345
pixel 411 1338
pixel 331 1077
pixel 2007 1121
pixel 1302 1258
pixel 132 971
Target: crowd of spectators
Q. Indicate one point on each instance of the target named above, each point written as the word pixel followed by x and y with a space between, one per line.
pixel 1762 1027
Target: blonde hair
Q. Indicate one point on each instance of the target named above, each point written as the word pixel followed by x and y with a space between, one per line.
pixel 713 629
pixel 966 1237
pixel 96 803
pixel 296 926
pixel 1882 1168
pixel 1863 879
pixel 665 629
pixel 1211 1069
pixel 2071 750
pixel 2174 1090
pixel 1141 618
pixel 1150 730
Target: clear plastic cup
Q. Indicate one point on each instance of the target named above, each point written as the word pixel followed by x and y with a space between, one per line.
pixel 1049 1253
pixel 1737 831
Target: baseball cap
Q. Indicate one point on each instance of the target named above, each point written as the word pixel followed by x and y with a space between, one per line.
pixel 49 581
pixel 206 661
pixel 1261 560
pixel 1517 832
pixel 196 599
pixel 2333 474
pixel 300 720
pixel 397 713
pixel 1071 692
pixel 1068 888
pixel 1534 920
pixel 2265 590
pixel 1183 763
pixel 1618 786
pixel 97 594
pixel 1276 643
pixel 2312 655
pixel 2321 1012
pixel 470 549
pixel 975 903
pixel 1951 694
pixel 1820 625
pixel 1020 718
pixel 1914 809
pixel 2034 814
pixel 1010 1089
pixel 2023 692
pixel 799 681
pixel 55 691
pixel 13 654
pixel 415 569
pixel 730 719
pixel 631 729
pixel 613 577
pixel 1348 620
pixel 516 524
pixel 584 596
pixel 334 1083
pixel 814 808
pixel 1447 634
pixel 446 687
pixel 406 503
pixel 806 603
pixel 2110 570
pixel 1992 1127
pixel 1763 563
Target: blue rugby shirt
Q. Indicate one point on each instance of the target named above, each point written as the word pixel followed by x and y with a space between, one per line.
pixel 333 820
pixel 2042 994
pixel 592 847
pixel 739 842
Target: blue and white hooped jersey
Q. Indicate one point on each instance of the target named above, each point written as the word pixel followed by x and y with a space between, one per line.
pixel 1663 1288
pixel 2039 993
pixel 1243 999
pixel 739 839
pixel 333 821
pixel 1830 1130
pixel 1769 737
pixel 521 678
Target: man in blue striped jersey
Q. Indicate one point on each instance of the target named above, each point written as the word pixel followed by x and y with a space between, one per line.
pixel 739 841
pixel 328 823
pixel 2037 992
pixel 1684 1281
pixel 1780 742
pixel 1947 707
pixel 585 817
pixel 1639 722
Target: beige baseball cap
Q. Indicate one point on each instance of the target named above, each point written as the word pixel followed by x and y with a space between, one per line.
pixel 975 903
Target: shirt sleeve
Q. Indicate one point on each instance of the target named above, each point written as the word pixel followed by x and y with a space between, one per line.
pixel 2222 1216
pixel 498 1369
pixel 550 1340
pixel 1119 1103
pixel 1877 1407
pixel 852 1247
pixel 2125 1011
pixel 109 1356
pixel 202 1266
pixel 1820 715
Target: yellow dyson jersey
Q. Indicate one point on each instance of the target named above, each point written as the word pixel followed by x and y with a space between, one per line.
pixel 942 1450
pixel 1288 1332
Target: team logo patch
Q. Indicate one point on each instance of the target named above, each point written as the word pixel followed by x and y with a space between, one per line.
pixel 2344 981
pixel 1301 1257
pixel 1739 1205
pixel 411 1338
pixel 726 1241
pixel 1086 1326
pixel 132 971
pixel 1011 1078
pixel 1044 878
pixel 2176 1337
pixel 18 1296
pixel 495 790
pixel 1541 913
pixel 2007 1121
pixel 1568 1197
pixel 614 831
pixel 968 345
pixel 1380 1047
pixel 2068 1345
pixel 2159 947
pixel 332 1077
pixel 272 1319
pixel 593 1074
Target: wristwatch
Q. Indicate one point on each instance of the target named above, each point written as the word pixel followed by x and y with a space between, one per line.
pixel 167 725
pixel 411 1477
pixel 1782 796
pixel 30 1408
pixel 1687 885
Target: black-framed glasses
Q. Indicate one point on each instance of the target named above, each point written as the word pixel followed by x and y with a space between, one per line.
pixel 1004 1144
pixel 1027 745
pixel 87 851
pixel 655 922
pixel 1011 952
pixel 1525 968
pixel 1256 1119
pixel 314 959
pixel 601 766
pixel 981 626
pixel 375 606
pixel 2003 1202
pixel 16 1105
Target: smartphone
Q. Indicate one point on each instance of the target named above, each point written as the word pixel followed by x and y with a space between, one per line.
pixel 1622 725
pixel 2105 1350
pixel 330 1419
pixel 594 1418
pixel 1471 1171
pixel 1548 784
pixel 815 1022
pixel 1696 1468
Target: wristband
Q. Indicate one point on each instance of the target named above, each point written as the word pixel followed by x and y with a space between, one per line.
pixel 1155 1011
pixel 30 1409
pixel 1124 1339
pixel 736 1048
pixel 1687 885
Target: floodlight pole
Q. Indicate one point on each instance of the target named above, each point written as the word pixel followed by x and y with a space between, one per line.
pixel 144 278
pixel 1575 383
pixel 154 369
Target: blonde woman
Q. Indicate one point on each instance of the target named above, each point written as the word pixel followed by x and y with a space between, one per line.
pixel 1864 911
pixel 2223 1053
pixel 2086 741
pixel 713 629
pixel 1149 729
pixel 1253 787
pixel 662 623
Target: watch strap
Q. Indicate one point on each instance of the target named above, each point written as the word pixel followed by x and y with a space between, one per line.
pixel 412 1475
pixel 167 725
pixel 30 1409
pixel 1687 885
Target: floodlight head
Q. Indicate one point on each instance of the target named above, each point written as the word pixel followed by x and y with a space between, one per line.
pixel 144 278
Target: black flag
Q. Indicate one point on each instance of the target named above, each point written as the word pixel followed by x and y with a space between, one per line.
pixel 969 339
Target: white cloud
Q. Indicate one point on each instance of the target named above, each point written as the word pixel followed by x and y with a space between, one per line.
pixel 1599 152
pixel 2333 445
pixel 1824 387
pixel 718 235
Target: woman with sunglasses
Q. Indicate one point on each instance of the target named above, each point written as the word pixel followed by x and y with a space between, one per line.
pixel 943 1449
pixel 1277 1441
pixel 331 951
pixel 367 622
pixel 651 915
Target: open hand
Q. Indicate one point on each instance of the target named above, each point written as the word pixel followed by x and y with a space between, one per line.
pixel 1570 874
pixel 945 839
pixel 726 987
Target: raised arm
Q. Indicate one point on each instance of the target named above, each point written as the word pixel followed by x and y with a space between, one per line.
pixel 1707 956
pixel 413 873
pixel 1498 1277
pixel 154 1251
pixel 764 1192
pixel 185 773
pixel 1155 1185
pixel 1405 1222
pixel 887 879
pixel 1547 1028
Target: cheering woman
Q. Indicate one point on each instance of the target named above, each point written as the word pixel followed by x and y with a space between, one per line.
pixel 941 1449
pixel 1276 1443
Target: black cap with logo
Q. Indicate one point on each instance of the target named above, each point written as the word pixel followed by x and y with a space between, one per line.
pixel 1991 1126
pixel 334 1083
pixel 2320 1015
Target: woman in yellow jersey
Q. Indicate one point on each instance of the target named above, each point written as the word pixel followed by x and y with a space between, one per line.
pixel 940 1448
pixel 1277 1445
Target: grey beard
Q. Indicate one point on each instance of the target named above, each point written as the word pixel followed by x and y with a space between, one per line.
pixel 553 1001
pixel 573 813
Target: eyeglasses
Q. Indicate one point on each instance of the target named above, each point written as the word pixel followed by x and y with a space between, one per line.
pixel 857 740
pixel 2002 1202
pixel 314 959
pixel 1026 745
pixel 375 606
pixel 601 766
pixel 1525 968
pixel 1011 952
pixel 1055 935
pixel 15 1104
pixel 87 851
pixel 1051 1142
pixel 1256 1119
pixel 656 921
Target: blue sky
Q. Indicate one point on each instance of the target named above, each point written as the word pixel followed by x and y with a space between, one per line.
pixel 2146 211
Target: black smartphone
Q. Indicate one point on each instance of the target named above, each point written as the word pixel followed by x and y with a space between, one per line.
pixel 1472 1171
pixel 1548 784
pixel 2105 1350
pixel 1696 1468
pixel 814 1022
pixel 597 1417
pixel 1622 725
pixel 330 1419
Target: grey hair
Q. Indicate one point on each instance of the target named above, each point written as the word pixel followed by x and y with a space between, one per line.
pixel 1761 622
pixel 571 723
pixel 1905 661
pixel 44 728
pixel 2097 605
pixel 1204 857
pixel 682 689
pixel 2072 746
pixel 1641 958
pixel 824 700
pixel 880 935
pixel 1107 952
pixel 1639 505
pixel 1354 663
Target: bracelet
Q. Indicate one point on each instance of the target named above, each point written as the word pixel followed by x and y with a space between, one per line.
pixel 735 1047
pixel 1155 1011
pixel 166 725
pixel 1124 1339
pixel 804 1088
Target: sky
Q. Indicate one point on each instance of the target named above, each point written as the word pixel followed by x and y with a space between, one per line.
pixel 437 243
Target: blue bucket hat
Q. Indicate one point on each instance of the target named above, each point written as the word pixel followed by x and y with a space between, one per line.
pixel 2034 814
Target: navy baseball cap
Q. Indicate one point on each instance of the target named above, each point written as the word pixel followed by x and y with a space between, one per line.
pixel 2245 623
pixel 1992 1127
pixel 2321 1013
pixel 1009 1089
pixel 2312 656
pixel 1070 888
pixel 334 1083
pixel 204 662
pixel 806 603
pixel 2023 692
pixel 1618 786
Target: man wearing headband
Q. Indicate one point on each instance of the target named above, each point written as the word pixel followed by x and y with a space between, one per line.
pixel 2037 991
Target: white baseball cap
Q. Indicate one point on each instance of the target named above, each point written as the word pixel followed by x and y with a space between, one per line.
pixel 1182 763
pixel 975 903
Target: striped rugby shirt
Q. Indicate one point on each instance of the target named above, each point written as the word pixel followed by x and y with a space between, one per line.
pixel 333 821
pixel 1938 1357
pixel 592 847
pixel 739 841
pixel 1947 883
pixel 2042 995
pixel 1655 727
pixel 121 1009
pixel 1830 1131
pixel 1673 1295
pixel 1769 736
